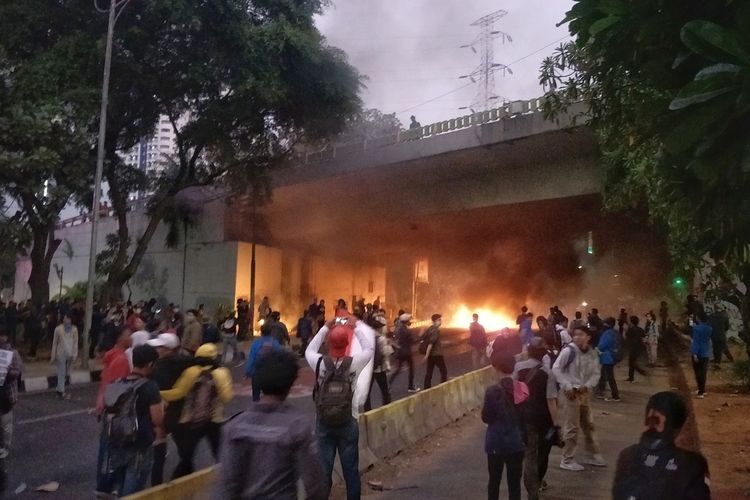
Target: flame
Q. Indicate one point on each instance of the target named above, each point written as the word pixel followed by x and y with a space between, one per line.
pixel 492 319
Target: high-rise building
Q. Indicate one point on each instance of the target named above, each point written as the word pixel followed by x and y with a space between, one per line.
pixel 153 153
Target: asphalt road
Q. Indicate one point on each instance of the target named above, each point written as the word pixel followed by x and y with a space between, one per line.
pixel 57 440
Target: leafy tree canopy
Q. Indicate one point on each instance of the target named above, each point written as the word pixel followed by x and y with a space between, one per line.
pixel 667 84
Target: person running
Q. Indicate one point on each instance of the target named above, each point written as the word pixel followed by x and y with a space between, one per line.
pixel 607 349
pixel 540 415
pixel 652 338
pixel 504 438
pixel 381 363
pixel 577 372
pixel 635 342
pixel 337 412
pixel 64 352
pixel 700 349
pixel 403 354
pixel 656 468
pixel 206 388
pixel 434 354
pixel 478 342
pixel 268 448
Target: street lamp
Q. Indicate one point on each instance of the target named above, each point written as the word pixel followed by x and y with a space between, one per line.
pixel 113 15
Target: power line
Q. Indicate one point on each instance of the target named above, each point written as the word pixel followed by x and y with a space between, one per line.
pixel 468 84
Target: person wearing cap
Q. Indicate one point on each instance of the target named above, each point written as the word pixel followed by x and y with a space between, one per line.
pixel 434 355
pixel 340 335
pixel 381 361
pixel 167 371
pixel 403 351
pixel 540 415
pixel 188 433
pixel 656 468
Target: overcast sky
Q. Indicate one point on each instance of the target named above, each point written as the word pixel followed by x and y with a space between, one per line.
pixel 410 49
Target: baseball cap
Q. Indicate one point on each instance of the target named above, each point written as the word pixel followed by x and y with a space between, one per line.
pixel 338 341
pixel 168 340
pixel 405 317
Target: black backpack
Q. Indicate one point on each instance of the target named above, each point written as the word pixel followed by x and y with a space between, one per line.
pixel 120 414
pixel 333 395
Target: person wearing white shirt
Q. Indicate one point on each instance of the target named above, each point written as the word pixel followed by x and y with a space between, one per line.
pixel 348 339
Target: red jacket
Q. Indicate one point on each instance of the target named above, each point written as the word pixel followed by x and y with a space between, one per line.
pixel 116 366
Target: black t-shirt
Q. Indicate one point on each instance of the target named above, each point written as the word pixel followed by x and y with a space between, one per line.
pixel 148 395
pixel 536 411
pixel 634 337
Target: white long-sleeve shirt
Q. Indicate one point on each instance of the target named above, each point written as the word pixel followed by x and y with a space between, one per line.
pixel 583 371
pixel 362 351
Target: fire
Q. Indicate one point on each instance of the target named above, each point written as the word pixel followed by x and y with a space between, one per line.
pixel 492 319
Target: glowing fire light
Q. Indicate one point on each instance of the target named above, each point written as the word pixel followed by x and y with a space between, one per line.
pixel 492 319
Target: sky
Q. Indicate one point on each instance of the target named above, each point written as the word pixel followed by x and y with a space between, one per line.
pixel 410 50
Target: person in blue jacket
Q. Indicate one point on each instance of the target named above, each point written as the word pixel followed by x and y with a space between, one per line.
pixel 607 349
pixel 700 348
pixel 266 344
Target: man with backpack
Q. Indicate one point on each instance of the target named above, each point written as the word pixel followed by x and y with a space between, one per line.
pixel 11 367
pixel 655 468
pixel 132 411
pixel 609 355
pixel 432 348
pixel 336 408
pixel 577 372
pixel 206 387
pixel 266 344
pixel 276 431
pixel 540 415
pixel 403 350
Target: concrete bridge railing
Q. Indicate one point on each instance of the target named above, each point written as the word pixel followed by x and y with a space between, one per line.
pixel 506 111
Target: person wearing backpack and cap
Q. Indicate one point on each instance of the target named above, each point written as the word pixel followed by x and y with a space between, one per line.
pixel 656 468
pixel 336 402
pixel 206 388
pixel 577 372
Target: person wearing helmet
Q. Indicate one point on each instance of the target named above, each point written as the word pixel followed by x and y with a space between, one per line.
pixel 206 387
pixel 656 468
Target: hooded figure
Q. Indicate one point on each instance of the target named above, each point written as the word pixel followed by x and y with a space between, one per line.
pixel 655 468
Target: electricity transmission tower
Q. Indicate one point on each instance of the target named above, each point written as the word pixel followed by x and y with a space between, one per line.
pixel 484 74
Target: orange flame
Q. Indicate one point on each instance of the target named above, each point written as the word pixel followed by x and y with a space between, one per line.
pixel 492 319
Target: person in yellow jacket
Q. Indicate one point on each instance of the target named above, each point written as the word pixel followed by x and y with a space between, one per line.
pixel 203 389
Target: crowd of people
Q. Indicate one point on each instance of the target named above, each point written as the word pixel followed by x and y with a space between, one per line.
pixel 166 373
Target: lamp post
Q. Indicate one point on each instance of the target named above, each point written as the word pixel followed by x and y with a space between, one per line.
pixel 98 178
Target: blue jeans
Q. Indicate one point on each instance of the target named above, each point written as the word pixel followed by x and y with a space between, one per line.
pixel 133 476
pixel 345 440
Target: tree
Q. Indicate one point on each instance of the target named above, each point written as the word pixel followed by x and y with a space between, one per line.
pixel 370 124
pixel 239 82
pixel 668 90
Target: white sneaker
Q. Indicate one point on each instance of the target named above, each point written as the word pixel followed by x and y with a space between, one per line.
pixel 572 466
pixel 415 389
pixel 596 460
pixel 701 396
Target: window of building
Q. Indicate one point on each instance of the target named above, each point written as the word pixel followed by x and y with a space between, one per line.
pixel 165 146
pixel 166 130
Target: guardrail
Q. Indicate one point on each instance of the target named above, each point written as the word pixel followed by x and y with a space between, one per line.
pixel 383 432
pixel 507 110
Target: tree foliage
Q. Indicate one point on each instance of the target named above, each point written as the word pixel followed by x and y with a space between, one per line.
pixel 239 81
pixel 668 90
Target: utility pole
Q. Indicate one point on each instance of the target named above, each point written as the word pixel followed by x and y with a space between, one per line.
pixel 89 311
pixel 484 74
